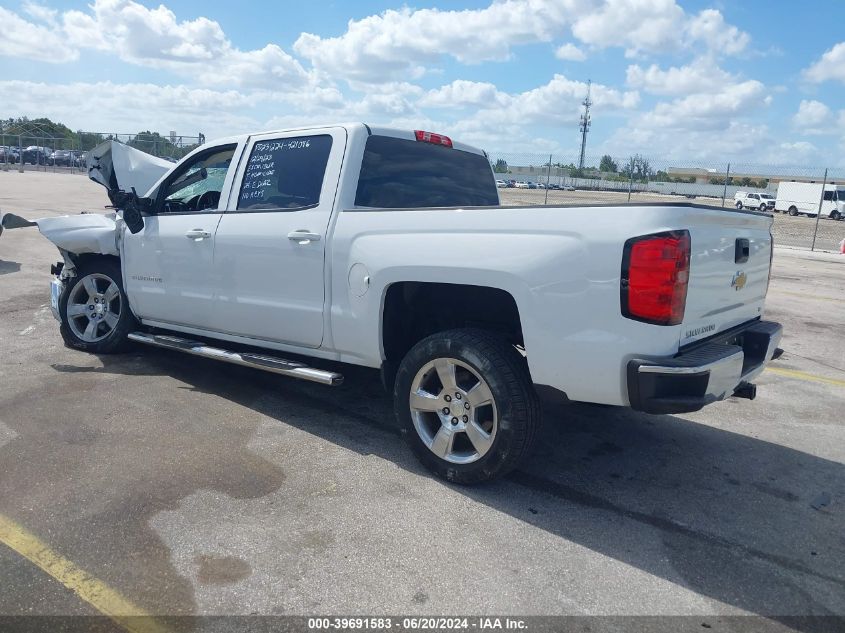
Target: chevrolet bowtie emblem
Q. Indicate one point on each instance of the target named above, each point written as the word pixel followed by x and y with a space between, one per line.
pixel 738 282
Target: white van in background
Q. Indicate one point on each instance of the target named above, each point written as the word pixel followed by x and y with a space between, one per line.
pixel 803 197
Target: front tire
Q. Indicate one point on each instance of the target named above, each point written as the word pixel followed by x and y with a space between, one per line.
pixel 466 406
pixel 95 310
pixel 835 215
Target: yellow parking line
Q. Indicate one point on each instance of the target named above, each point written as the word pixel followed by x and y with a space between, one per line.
pixel 95 592
pixel 800 375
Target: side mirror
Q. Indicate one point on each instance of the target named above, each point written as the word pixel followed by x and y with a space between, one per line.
pixel 133 219
pixel 132 206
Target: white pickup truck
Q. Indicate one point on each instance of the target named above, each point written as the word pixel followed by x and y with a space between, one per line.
pixel 754 200
pixel 389 249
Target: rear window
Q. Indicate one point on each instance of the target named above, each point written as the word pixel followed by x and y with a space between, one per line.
pixel 397 173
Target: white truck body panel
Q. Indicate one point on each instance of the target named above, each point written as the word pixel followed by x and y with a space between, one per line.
pixel 84 233
pixel 804 198
pixel 246 280
pixel 562 266
pixel 114 164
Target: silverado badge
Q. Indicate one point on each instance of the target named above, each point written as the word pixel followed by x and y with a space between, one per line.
pixel 738 282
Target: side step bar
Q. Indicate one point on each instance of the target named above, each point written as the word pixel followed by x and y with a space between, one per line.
pixel 257 361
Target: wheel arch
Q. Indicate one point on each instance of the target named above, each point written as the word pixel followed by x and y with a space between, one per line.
pixel 413 310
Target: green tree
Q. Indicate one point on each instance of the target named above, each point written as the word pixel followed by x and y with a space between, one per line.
pixel 501 166
pixel 637 168
pixel 607 164
pixel 152 143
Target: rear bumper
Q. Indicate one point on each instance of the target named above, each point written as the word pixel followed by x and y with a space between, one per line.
pixel 705 373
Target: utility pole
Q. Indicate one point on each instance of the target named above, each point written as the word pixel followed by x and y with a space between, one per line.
pixel 585 124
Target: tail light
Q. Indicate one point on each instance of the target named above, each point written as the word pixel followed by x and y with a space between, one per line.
pixel 655 275
pixel 431 137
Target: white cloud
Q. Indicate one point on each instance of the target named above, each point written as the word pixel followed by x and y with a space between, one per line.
pixel 706 105
pixel 830 66
pixel 398 43
pixel 708 111
pixel 711 113
pixel 709 27
pixel 559 101
pixel 694 147
pixel 802 149
pixel 702 75
pixel 512 122
pixel 394 43
pixel 636 25
pixel 115 107
pixel 656 26
pixel 22 38
pixel 462 93
pixel 155 38
pixel 40 12
pixel 811 117
pixel 570 52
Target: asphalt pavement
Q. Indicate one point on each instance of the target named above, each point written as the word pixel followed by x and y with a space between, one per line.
pixel 190 487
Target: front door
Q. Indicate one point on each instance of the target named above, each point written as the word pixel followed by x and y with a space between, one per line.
pixel 168 264
pixel 270 246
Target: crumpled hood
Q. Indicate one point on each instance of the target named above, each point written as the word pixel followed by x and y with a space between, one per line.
pixel 119 167
pixel 84 233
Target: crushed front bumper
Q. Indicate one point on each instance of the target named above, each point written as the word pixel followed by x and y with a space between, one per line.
pixel 704 373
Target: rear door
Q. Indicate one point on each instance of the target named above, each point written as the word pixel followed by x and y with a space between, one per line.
pixel 730 257
pixel 270 245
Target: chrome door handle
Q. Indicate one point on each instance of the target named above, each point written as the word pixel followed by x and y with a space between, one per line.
pixel 197 234
pixel 303 236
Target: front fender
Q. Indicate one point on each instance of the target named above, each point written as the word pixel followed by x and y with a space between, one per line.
pixel 77 234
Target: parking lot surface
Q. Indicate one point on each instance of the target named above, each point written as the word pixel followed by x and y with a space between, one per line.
pixel 190 487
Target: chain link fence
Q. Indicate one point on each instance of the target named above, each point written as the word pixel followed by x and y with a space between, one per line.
pixel 27 152
pixel 794 194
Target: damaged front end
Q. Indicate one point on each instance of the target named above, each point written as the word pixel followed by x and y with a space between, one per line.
pixel 123 171
pixel 120 168
pixel 73 235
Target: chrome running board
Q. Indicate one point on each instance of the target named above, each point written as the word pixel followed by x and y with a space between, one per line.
pixel 256 361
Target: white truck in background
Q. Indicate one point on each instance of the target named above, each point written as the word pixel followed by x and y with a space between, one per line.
pixel 389 249
pixel 761 201
pixel 796 198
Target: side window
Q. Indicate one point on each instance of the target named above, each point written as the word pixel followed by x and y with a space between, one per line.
pixel 828 195
pixel 197 185
pixel 285 174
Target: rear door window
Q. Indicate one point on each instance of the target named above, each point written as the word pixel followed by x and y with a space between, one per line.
pixel 400 173
pixel 285 174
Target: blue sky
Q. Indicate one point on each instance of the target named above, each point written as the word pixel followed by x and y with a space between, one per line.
pixel 678 80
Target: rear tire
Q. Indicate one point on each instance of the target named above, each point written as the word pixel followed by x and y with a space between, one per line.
pixel 466 406
pixel 94 309
pixel 739 205
pixel 793 211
